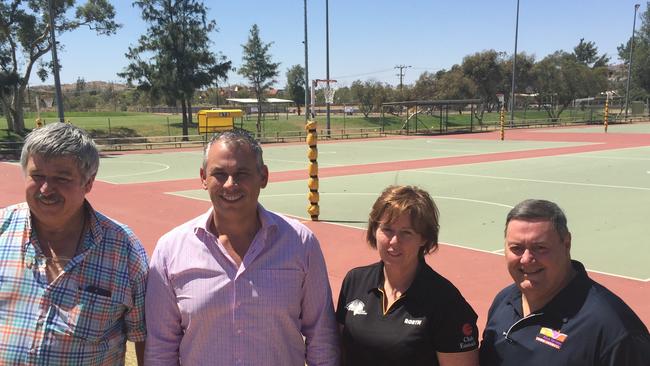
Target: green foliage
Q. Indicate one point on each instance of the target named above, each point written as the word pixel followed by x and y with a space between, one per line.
pixel 258 68
pixel 173 58
pixel 25 38
pixel 296 84
pixel 587 53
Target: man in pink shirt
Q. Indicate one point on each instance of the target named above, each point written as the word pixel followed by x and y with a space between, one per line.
pixel 239 285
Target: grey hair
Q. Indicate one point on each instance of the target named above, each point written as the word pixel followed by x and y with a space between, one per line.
pixel 236 137
pixel 535 209
pixel 59 139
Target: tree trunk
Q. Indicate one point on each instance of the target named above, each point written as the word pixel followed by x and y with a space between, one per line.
pixel 189 112
pixel 258 125
pixel 184 113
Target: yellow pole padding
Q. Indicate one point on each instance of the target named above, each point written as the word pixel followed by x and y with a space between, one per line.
pixel 502 121
pixel 312 154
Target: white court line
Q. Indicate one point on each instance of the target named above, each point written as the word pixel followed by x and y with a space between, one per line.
pixel 375 194
pixel 534 180
pixel 602 157
pixel 301 162
pixel 164 167
pixel 495 252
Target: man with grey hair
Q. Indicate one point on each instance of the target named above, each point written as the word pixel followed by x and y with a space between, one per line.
pixel 72 281
pixel 554 314
pixel 239 285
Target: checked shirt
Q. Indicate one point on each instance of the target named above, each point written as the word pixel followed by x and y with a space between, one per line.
pixel 85 315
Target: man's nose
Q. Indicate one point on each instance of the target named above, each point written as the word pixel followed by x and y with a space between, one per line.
pixel 230 181
pixel 527 256
pixel 46 187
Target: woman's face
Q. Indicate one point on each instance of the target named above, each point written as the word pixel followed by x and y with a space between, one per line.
pixel 398 243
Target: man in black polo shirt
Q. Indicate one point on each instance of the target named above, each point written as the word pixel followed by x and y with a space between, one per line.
pixel 554 314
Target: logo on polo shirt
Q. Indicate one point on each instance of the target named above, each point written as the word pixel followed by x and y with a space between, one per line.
pixel 412 321
pixel 468 337
pixel 356 307
pixel 550 337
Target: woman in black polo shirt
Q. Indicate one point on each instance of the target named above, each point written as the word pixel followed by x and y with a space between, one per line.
pixel 399 311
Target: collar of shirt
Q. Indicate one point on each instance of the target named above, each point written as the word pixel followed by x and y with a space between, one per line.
pixel 262 237
pixel 417 280
pixel 93 223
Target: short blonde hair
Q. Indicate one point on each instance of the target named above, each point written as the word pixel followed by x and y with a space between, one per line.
pixel 417 203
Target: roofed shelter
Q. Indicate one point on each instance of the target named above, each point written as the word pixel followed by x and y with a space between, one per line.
pixel 271 107
pixel 416 108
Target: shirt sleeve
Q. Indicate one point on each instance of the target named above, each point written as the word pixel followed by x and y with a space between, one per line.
pixel 631 350
pixel 341 311
pixel 164 332
pixel 456 330
pixel 138 268
pixel 318 324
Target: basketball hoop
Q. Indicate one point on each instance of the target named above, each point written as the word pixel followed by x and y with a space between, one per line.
pixel 327 86
pixel 329 94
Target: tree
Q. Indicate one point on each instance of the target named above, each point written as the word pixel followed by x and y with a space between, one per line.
pixel 426 86
pixel 562 76
pixel 485 69
pixel 370 95
pixel 258 69
pixel 25 38
pixel 587 53
pixel 173 59
pixel 296 85
pixel 453 84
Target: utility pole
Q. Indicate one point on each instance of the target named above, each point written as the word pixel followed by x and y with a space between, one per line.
pixel 514 68
pixel 629 64
pixel 401 75
pixel 327 59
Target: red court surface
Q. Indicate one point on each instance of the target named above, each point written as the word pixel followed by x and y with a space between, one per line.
pixel 150 212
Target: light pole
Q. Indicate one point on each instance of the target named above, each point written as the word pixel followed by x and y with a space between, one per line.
pixel 327 60
pixel 306 70
pixel 514 68
pixel 55 65
pixel 629 65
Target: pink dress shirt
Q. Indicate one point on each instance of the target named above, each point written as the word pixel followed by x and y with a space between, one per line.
pixel 275 309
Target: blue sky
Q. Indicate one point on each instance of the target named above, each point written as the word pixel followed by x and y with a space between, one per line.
pixel 368 38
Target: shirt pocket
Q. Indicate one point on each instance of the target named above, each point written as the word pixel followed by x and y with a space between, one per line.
pixel 279 290
pixel 90 319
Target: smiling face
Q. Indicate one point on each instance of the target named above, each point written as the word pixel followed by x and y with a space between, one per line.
pixel 538 258
pixel 398 243
pixel 233 179
pixel 55 189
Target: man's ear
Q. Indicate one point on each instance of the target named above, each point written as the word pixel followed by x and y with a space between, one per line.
pixel 567 242
pixel 204 182
pixel 264 176
pixel 89 184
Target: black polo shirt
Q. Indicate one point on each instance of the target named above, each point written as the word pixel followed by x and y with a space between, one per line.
pixel 585 324
pixel 430 317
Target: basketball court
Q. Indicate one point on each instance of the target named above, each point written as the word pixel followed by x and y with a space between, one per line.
pixel 601 180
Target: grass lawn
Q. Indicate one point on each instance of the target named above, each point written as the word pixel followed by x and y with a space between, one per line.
pixel 132 124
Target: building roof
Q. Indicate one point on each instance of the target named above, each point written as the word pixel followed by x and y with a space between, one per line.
pixel 254 100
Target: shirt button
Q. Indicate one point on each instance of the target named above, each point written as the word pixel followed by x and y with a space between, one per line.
pixel 239 331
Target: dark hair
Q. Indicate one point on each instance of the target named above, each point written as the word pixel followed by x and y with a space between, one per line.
pixel 237 137
pixel 417 203
pixel 535 209
pixel 62 140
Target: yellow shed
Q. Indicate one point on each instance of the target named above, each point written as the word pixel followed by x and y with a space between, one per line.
pixel 215 120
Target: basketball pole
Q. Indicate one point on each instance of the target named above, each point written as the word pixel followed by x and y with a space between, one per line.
pixel 327 61
pixel 306 70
